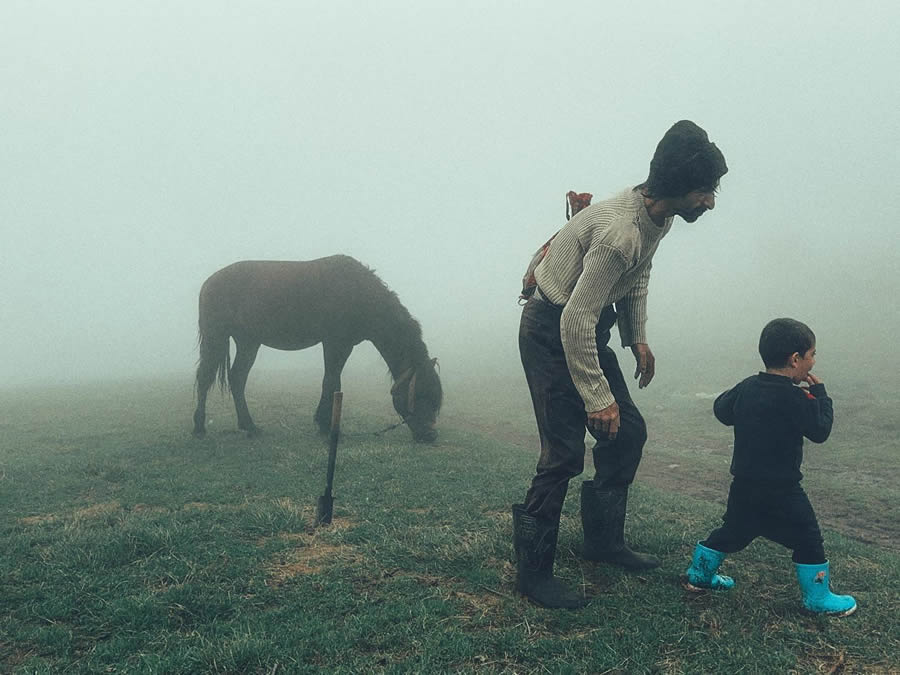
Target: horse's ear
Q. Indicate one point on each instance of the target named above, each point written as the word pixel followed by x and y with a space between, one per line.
pixel 434 363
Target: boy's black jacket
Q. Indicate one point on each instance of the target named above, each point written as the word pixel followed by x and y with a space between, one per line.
pixel 771 416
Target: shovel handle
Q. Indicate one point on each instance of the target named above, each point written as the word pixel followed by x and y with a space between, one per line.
pixel 325 505
pixel 336 403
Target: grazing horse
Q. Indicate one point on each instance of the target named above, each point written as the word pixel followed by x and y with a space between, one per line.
pixel 293 305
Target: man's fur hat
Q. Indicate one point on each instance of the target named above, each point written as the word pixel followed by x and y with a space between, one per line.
pixel 685 160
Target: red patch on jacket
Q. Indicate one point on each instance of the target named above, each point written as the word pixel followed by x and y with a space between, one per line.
pixel 575 202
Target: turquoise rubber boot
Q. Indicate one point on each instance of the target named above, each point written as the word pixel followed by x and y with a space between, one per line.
pixel 817 596
pixel 702 572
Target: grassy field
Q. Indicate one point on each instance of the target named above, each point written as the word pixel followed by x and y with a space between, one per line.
pixel 130 547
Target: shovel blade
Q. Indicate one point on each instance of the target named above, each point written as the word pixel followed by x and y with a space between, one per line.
pixel 324 510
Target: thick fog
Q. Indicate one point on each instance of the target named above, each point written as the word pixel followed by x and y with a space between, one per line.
pixel 147 144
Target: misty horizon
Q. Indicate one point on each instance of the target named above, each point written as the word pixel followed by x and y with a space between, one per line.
pixel 147 146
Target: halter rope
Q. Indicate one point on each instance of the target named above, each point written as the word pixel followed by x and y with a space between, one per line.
pixel 408 374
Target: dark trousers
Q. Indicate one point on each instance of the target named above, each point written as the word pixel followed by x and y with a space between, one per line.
pixel 560 414
pixel 781 514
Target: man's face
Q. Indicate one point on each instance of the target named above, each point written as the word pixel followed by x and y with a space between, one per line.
pixel 694 204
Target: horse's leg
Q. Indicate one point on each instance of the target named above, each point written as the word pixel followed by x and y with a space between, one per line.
pixel 336 355
pixel 243 361
pixel 210 356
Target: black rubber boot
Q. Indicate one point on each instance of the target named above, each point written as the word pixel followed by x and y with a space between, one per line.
pixel 534 541
pixel 603 519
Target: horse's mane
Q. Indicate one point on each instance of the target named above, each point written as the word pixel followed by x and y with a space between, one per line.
pixel 395 312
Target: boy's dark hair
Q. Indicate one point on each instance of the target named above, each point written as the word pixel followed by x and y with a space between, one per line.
pixel 783 337
pixel 685 160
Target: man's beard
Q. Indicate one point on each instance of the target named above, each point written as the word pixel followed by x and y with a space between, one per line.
pixel 692 215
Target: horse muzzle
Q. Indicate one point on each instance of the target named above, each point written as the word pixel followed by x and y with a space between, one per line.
pixel 424 435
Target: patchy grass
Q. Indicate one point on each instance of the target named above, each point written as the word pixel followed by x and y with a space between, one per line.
pixel 130 547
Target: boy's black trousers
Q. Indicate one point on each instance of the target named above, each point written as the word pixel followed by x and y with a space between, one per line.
pixel 780 513
pixel 560 414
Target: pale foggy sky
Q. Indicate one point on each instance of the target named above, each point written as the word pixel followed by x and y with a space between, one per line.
pixel 146 145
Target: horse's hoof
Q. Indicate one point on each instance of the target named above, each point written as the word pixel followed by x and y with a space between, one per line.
pixel 253 432
pixel 199 433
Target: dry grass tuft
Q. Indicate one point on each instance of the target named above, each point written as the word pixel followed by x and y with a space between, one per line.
pixel 834 661
pixel 37 520
pixel 303 560
pixel 97 510
pixel 312 553
pixel 198 506
pixel 85 513
pixel 147 508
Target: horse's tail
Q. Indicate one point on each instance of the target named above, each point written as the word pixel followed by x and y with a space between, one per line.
pixel 214 349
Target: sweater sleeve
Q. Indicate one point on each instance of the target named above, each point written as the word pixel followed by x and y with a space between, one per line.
pixel 817 414
pixel 602 266
pixel 723 406
pixel 632 310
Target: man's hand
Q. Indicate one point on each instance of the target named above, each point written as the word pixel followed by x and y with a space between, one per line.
pixel 605 421
pixel 646 363
pixel 812 379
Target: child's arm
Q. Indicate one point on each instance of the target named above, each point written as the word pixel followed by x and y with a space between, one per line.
pixel 818 411
pixel 723 406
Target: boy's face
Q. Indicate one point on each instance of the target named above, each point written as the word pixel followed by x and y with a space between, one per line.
pixel 801 364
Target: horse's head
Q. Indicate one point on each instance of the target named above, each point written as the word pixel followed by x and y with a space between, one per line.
pixel 417 397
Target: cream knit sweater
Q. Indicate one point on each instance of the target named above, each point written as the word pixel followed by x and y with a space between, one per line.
pixel 601 256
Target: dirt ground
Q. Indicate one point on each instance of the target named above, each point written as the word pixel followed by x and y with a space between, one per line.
pixel 873 523
pixel 834 513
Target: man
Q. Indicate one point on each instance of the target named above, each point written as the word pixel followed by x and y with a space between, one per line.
pixel 594 275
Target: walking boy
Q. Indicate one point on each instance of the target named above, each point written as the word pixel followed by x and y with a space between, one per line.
pixel 770 416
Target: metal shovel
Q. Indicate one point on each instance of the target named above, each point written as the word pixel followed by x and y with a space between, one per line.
pixel 325 505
